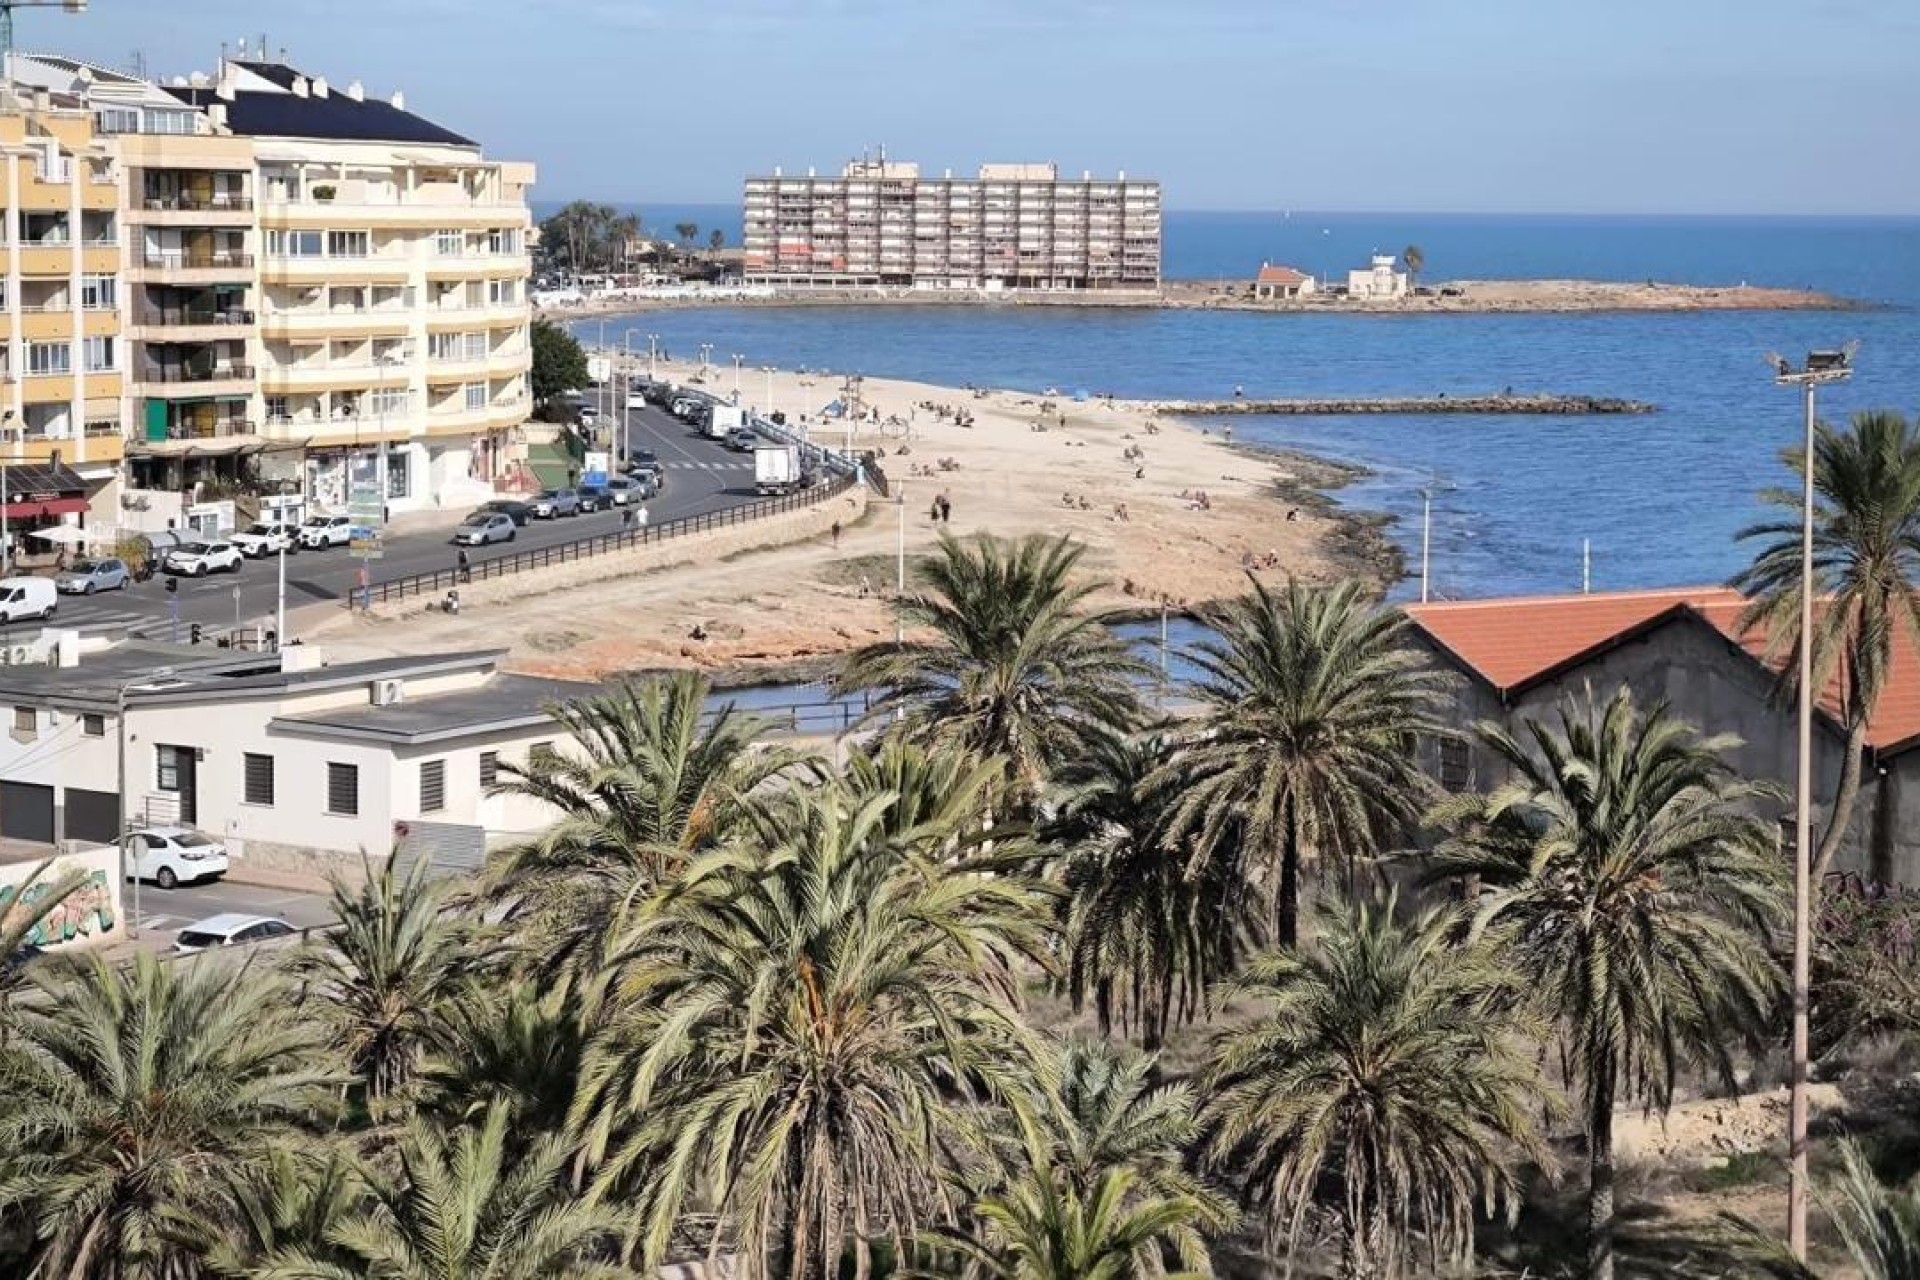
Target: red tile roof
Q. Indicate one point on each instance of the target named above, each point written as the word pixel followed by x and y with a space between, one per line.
pixel 1518 642
pixel 1281 275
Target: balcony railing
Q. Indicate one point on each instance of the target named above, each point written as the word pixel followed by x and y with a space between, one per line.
pixel 196 316
pixel 219 202
pixel 197 373
pixel 211 430
pixel 209 261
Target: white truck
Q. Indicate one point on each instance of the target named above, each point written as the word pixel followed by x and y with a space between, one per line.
pixel 776 468
pixel 724 418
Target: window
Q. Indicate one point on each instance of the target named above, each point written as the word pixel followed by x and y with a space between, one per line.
pixel 540 753
pixel 502 292
pixel 449 244
pixel 25 720
pixel 347 244
pixel 503 240
pixel 397 486
pixel 98 293
pixel 94 726
pixel 476 395
pixel 117 120
pixel 394 401
pixel 443 346
pixel 1456 772
pixel 48 358
pixel 343 790
pixel 100 355
pixel 295 244
pixel 259 779
pixel 474 346
pixel 171 122
pixel 489 768
pixel 167 761
pixel 433 786
pixel 277 409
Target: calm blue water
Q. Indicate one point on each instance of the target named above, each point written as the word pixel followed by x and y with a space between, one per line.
pixel 1658 497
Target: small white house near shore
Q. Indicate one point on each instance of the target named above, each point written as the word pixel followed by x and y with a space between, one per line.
pixel 1379 282
pixel 1276 283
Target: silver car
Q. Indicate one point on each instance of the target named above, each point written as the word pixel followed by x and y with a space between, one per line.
pixel 482 527
pixel 89 576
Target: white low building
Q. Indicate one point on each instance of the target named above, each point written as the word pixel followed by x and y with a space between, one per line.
pixel 300 767
pixel 1379 282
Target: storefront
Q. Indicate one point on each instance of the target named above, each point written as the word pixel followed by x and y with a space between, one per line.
pixel 38 495
pixel 332 474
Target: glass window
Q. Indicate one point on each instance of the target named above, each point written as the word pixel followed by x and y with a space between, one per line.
pixel 443 346
pixel 98 293
pixel 167 767
pixel 49 358
pixel 100 355
pixel 476 395
pixel 540 753
pixel 94 726
pixel 475 345
pixel 259 779
pixel 489 768
pixel 449 244
pixel 433 786
pixel 343 790
pixel 397 477
pixel 503 240
pixel 347 244
pixel 304 244
pixel 1456 772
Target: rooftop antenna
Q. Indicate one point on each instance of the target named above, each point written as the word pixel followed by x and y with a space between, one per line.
pixel 6 16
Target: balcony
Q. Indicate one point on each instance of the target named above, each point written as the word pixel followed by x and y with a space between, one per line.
pixel 198 202
pixel 191 429
pixel 205 266
pixel 192 317
pixel 195 372
pixel 336 321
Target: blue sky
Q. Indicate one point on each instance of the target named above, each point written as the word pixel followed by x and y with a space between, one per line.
pixel 1646 106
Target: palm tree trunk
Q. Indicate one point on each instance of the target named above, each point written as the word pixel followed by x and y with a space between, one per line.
pixel 1844 798
pixel 1287 911
pixel 1600 1175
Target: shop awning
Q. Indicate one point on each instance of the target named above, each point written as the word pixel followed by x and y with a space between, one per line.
pixel 51 507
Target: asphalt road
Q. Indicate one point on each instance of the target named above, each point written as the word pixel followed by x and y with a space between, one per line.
pixel 164 912
pixel 701 477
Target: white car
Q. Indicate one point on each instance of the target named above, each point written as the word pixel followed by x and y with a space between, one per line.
pixel 482 527
pixel 171 856
pixel 198 559
pixel 318 533
pixel 257 541
pixel 635 402
pixel 230 929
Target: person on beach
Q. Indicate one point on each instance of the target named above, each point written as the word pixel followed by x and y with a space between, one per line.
pixel 836 535
pixel 465 567
pixel 946 509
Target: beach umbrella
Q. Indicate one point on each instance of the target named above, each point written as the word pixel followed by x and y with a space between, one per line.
pixel 65 535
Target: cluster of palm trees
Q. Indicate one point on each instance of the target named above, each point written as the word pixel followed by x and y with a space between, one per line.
pixel 747 1004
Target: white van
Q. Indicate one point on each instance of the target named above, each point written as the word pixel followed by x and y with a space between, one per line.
pixel 22 598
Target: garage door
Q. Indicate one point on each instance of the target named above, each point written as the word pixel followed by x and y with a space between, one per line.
pixel 92 815
pixel 26 812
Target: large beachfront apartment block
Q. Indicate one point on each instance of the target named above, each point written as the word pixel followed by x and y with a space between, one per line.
pixel 307 274
pixel 1015 226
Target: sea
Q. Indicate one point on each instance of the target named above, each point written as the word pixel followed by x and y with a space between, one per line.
pixel 1519 505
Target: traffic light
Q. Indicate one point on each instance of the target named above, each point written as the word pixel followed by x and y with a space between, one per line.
pixel 173 583
pixel 196 633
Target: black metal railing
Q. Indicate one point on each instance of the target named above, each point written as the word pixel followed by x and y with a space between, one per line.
pixel 601 544
pixel 197 315
pixel 195 373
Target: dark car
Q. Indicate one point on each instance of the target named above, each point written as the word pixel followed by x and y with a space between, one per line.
pixel 594 497
pixel 742 439
pixel 518 512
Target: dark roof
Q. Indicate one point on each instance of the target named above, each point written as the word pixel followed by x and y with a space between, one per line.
pixel 43 477
pixel 98 679
pixel 336 117
pixel 505 701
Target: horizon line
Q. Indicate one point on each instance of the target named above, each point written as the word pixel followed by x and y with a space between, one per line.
pixel 1298 211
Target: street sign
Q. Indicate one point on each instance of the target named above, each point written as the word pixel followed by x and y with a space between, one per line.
pixel 593 467
pixel 367 510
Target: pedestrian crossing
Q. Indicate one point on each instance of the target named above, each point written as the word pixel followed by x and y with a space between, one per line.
pixel 708 466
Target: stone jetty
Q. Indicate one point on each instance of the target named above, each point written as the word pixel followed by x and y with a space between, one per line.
pixel 1531 405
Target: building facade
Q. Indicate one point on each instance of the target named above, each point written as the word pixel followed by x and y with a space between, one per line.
pixel 881 224
pixel 312 281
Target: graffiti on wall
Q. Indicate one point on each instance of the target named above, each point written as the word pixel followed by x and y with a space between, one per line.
pixel 85 912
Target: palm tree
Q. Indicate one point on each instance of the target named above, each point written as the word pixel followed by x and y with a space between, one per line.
pixel 1015 667
pixel 1625 873
pixel 139 1098
pixel 22 909
pixel 1143 940
pixel 941 801
pixel 654 781
pixel 295 1201
pixel 383 979
pixel 1416 259
pixel 520 1047
pixel 1313 703
pixel 1390 1065
pixel 464 1205
pixel 1866 564
pixel 805 1029
pixel 1880 1225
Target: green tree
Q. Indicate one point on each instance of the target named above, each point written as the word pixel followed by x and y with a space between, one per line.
pixel 1880 1225
pixel 940 801
pixel 22 910
pixel 652 780
pixel 688 232
pixel 1628 876
pixel 1314 701
pixel 383 980
pixel 1416 259
pixel 1388 1066
pixel 295 1201
pixel 559 362
pixel 137 1100
pixel 807 1028
pixel 463 1204
pixel 522 1048
pixel 587 237
pixel 1866 564
pixel 717 240
pixel 1143 940
pixel 1015 668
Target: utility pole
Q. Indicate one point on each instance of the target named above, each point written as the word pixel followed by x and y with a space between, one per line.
pixel 767 408
pixel 653 357
pixel 1821 367
pixel 1586 566
pixel 737 358
pixel 1426 539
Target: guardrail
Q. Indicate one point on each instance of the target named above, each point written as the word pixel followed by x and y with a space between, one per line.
pixel 501 566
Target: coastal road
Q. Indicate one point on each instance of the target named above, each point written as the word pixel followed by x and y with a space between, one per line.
pixel 701 477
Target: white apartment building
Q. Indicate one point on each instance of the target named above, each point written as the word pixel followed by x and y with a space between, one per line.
pixel 1014 226
pixel 297 765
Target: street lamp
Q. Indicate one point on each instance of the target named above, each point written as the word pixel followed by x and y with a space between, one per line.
pixel 768 407
pixel 653 357
pixel 1821 367
pixel 8 6
pixel 737 358
pixel 706 357
pixel 155 676
pixel 280 609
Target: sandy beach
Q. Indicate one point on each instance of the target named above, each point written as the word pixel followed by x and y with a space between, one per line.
pixel 1124 481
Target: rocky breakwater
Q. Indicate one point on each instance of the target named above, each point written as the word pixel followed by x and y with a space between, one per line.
pixel 1534 405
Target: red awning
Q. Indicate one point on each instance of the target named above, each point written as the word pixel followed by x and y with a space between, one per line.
pixel 50 507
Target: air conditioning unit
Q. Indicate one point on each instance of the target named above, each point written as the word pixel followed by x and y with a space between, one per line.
pixel 389 693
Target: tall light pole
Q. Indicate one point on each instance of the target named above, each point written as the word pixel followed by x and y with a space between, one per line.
pixel 653 357
pixel 737 358
pixel 706 356
pixel 768 407
pixel 1821 367
pixel 6 16
pixel 280 607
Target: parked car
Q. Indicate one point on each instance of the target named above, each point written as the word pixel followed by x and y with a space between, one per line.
pixel 318 533
pixel 625 490
pixel 257 541
pixel 27 598
pixel 89 576
pixel 230 929
pixel 518 512
pixel 171 856
pixel 483 527
pixel 636 401
pixel 742 439
pixel 551 504
pixel 198 559
pixel 594 497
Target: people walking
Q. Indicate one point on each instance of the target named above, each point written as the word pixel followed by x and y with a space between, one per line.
pixel 946 508
pixel 836 535
pixel 465 566
pixel 642 516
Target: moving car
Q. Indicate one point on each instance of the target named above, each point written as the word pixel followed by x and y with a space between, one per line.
pixel 482 527
pixel 230 929
pixel 636 401
pixel 625 490
pixel 594 497
pixel 198 559
pixel 260 540
pixel 89 576
pixel 171 856
pixel 27 598
pixel 551 504
pixel 742 439
pixel 320 532
pixel 518 512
